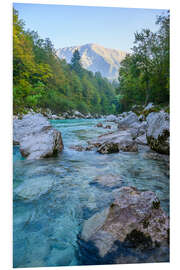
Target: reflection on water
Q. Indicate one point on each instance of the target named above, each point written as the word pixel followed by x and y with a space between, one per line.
pixel 53 197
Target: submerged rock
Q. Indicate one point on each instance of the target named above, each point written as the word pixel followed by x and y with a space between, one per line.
pixel 36 137
pixel 134 220
pixel 60 258
pixel 112 181
pixel 99 124
pixel 158 132
pixel 33 188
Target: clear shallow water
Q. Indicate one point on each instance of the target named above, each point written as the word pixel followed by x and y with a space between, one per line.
pixel 53 197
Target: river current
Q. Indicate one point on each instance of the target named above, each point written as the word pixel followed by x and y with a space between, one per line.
pixel 53 197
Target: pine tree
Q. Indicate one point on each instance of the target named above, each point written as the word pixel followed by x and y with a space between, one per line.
pixel 75 61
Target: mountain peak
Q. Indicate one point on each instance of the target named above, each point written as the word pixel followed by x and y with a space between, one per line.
pixel 95 57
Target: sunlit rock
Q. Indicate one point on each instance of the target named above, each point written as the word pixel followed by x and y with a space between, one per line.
pixel 115 142
pixel 158 132
pixel 134 220
pixel 36 137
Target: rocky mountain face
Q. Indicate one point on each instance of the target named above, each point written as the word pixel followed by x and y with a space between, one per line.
pixel 96 58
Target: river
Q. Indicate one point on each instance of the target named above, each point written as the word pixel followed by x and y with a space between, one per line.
pixel 53 197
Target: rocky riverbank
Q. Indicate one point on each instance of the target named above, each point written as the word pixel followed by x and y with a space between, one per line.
pixel 61 116
pixel 132 133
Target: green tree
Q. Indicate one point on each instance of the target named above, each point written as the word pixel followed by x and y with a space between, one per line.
pixel 144 54
pixel 144 74
pixel 75 62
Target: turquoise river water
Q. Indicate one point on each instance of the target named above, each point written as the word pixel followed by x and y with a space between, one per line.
pixel 53 197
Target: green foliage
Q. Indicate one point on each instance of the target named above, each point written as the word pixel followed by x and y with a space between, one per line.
pixel 144 75
pixel 42 80
pixel 75 62
pixel 82 107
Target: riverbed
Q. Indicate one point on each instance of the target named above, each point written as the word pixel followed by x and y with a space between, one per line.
pixel 54 196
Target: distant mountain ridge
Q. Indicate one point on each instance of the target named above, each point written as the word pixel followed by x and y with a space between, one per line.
pixel 96 58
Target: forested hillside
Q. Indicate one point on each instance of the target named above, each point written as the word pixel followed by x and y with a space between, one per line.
pixel 42 80
pixel 144 74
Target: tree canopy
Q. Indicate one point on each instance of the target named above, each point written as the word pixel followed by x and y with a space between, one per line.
pixel 144 74
pixel 75 62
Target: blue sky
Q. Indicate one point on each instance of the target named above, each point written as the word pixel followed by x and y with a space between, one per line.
pixel 77 25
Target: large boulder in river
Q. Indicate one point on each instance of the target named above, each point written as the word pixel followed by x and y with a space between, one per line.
pixel 111 118
pixel 130 121
pixel 158 132
pixel 138 129
pixel 36 137
pixel 133 221
pixel 115 142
